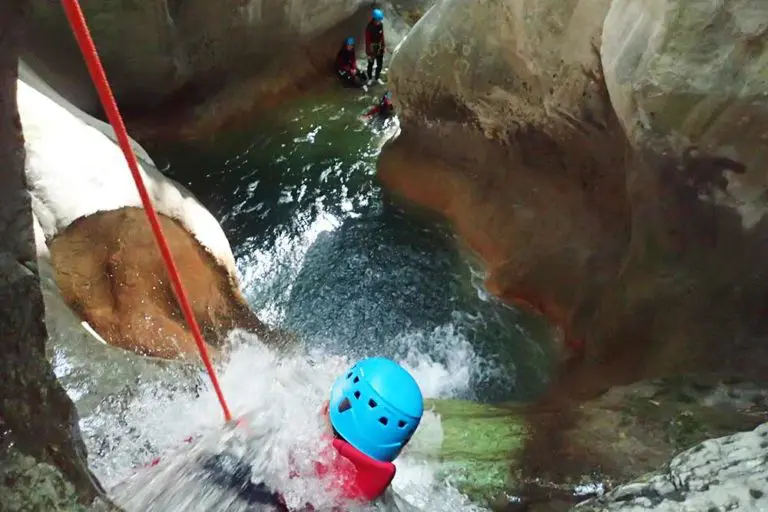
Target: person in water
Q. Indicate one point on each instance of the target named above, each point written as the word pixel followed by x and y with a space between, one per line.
pixel 384 109
pixel 374 409
pixel 375 44
pixel 346 65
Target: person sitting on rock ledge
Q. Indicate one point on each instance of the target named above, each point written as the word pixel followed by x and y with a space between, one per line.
pixel 346 65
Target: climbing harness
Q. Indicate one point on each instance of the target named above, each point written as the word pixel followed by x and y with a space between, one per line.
pixel 85 42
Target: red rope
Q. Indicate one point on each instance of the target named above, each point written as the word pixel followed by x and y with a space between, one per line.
pixel 84 40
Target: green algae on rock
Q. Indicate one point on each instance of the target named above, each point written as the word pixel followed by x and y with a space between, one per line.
pixel 481 444
pixel 493 452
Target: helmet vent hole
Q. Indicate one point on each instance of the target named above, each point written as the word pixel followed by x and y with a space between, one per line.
pixel 372 403
pixel 383 420
pixel 401 424
pixel 349 374
pixel 356 380
pixel 357 395
pixel 344 405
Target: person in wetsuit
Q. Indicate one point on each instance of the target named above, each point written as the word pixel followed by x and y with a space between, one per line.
pixel 375 44
pixel 384 109
pixel 374 409
pixel 346 65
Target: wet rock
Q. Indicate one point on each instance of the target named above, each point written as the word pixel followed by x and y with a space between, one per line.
pixel 128 299
pixel 544 457
pixel 727 473
pixel 39 439
pixel 96 243
pixel 625 208
pixel 507 130
pixel 481 446
pixel 26 484
pixel 220 59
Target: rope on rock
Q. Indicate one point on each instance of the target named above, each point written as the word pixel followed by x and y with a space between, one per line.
pixel 85 42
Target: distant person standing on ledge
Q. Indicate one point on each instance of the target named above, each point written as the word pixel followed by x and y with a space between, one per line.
pixel 374 44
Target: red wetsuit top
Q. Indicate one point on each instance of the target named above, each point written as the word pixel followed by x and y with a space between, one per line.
pixel 384 108
pixel 374 39
pixel 354 475
pixel 365 479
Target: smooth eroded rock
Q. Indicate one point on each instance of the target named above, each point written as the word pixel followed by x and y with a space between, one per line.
pixel 80 186
pixel 641 236
pixel 507 130
pixel 689 76
pixel 110 271
pixel 186 69
pixel 153 49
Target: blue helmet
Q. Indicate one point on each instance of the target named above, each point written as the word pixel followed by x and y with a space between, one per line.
pixel 376 407
pixel 350 41
pixel 378 14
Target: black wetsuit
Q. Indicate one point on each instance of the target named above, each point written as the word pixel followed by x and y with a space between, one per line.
pixel 374 42
pixel 230 472
pixel 346 61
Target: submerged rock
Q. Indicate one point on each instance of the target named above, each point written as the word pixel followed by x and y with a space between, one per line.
pixel 481 446
pixel 92 238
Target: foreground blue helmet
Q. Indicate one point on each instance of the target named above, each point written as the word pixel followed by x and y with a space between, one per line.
pixel 376 407
pixel 378 14
pixel 350 40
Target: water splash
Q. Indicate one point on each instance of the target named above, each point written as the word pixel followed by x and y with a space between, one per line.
pixel 279 396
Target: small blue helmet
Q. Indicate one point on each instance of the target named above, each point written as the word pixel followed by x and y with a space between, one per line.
pixel 376 407
pixel 378 14
pixel 350 41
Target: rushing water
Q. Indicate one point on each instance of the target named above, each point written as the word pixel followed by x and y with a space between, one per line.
pixel 322 252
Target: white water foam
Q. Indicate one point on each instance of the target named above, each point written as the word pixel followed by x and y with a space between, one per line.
pixel 279 397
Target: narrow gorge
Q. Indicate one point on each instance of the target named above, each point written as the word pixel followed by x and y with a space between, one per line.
pixel 560 235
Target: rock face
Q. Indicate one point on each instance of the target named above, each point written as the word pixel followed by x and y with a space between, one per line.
pixel 39 438
pixel 91 236
pixel 164 52
pixel 728 473
pixel 542 455
pixel 626 208
pixel 502 111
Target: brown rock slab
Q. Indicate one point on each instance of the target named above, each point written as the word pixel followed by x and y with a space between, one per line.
pixel 111 273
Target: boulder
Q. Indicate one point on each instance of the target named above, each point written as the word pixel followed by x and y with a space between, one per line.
pixel 92 238
pixel 727 473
